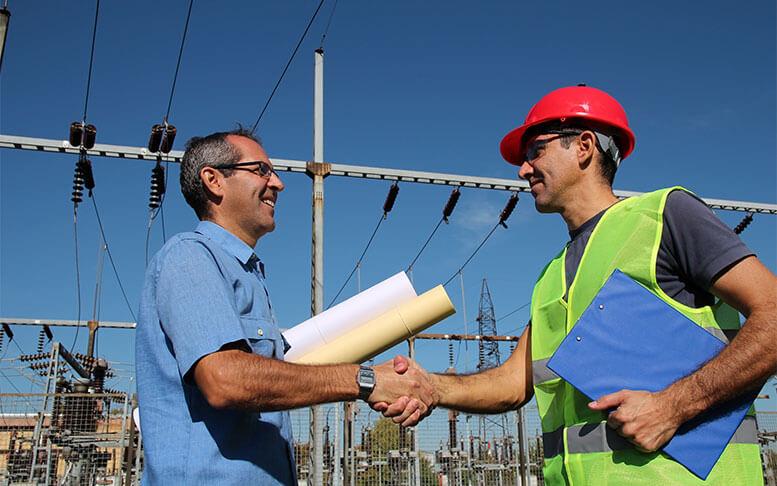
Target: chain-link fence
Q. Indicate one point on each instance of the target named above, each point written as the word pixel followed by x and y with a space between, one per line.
pixel 767 436
pixel 71 439
pixel 361 448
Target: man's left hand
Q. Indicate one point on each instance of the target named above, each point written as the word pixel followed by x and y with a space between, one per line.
pixel 648 420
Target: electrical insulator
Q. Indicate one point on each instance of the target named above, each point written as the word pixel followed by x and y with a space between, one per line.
pixel 451 204
pixel 86 168
pixel 78 185
pixel 90 135
pixel 508 210
pixel 76 134
pixel 2 335
pixel 157 186
pixel 450 354
pixel 156 138
pixel 744 223
pixel 83 176
pixel 168 139
pixel 41 340
pixel 8 331
pixel 512 346
pixel 392 196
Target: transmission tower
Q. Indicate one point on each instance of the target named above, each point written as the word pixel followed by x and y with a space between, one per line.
pixel 488 350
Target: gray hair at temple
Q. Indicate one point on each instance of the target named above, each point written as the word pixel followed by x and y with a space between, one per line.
pixel 208 151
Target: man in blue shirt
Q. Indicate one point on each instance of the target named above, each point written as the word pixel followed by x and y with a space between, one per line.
pixel 212 384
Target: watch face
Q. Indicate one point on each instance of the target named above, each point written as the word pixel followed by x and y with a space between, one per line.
pixel 366 377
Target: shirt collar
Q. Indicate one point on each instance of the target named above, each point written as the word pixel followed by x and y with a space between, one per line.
pixel 231 243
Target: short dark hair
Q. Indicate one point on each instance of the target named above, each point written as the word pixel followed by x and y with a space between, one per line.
pixel 208 151
pixel 607 166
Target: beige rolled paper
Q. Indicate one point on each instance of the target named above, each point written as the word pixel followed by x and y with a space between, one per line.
pixel 381 333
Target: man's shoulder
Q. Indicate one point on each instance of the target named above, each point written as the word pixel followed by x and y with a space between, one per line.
pixel 184 246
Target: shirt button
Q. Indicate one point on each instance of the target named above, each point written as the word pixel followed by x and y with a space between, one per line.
pixel 260 332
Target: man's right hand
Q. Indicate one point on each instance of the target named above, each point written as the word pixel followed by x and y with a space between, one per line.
pixel 407 395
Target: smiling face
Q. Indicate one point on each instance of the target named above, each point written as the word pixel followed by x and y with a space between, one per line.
pixel 246 205
pixel 551 170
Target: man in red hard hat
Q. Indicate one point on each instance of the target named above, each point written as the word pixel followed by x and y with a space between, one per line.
pixel 569 149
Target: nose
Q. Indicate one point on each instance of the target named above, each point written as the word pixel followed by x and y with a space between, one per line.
pixel 525 171
pixel 275 182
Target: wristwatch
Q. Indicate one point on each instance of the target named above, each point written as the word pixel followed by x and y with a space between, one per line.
pixel 366 380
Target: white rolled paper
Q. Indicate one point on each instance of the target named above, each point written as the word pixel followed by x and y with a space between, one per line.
pixel 348 315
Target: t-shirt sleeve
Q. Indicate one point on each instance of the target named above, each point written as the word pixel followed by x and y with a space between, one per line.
pixel 702 246
pixel 196 310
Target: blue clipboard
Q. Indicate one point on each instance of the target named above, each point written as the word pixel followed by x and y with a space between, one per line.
pixel 630 339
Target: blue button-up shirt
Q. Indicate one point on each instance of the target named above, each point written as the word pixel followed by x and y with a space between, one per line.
pixel 204 290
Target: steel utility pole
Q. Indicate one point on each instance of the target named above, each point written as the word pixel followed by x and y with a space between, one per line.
pixel 317 170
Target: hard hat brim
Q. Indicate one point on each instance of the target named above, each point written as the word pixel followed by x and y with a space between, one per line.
pixel 512 146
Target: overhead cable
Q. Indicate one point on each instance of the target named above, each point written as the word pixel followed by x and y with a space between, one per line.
pixel 291 58
pixel 503 216
pixel 446 213
pixel 180 55
pixel 83 136
pixel 91 59
pixel 328 23
pixel 388 205
pixel 161 142
pixel 110 256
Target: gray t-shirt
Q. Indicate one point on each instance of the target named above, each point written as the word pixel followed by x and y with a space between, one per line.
pixel 696 248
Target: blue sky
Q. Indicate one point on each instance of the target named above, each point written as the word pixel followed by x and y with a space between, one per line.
pixel 412 85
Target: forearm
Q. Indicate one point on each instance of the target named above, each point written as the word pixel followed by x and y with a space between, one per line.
pixel 493 391
pixel 743 365
pixel 237 379
pixel 503 388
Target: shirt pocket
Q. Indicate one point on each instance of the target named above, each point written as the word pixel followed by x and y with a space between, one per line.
pixel 263 337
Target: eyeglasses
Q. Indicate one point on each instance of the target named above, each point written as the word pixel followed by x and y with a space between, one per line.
pixel 534 147
pixel 606 145
pixel 265 170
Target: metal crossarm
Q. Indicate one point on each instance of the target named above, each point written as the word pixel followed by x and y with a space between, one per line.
pixel 364 172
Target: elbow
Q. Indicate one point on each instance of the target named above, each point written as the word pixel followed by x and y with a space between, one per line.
pixel 214 384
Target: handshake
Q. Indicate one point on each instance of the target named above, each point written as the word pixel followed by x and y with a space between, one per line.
pixel 403 391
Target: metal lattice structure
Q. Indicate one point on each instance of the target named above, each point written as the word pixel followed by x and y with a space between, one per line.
pixel 488 356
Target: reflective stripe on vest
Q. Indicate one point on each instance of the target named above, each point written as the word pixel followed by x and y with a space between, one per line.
pixel 585 438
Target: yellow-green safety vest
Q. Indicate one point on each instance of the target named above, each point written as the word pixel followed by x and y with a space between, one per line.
pixel 579 448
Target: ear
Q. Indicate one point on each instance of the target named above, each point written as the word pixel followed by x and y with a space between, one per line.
pixel 586 148
pixel 212 181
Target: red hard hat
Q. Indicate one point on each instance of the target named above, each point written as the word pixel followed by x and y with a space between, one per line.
pixel 568 104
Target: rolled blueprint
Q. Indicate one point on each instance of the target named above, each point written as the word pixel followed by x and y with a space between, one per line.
pixel 329 325
pixel 381 333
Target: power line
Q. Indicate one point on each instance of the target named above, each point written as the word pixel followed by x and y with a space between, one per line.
pixel 180 55
pixel 83 137
pixel 78 278
pixel 410 267
pixel 388 205
pixel 91 59
pixel 110 257
pixel 472 255
pixel 446 213
pixel 358 262
pixel 503 216
pixel 294 53
pixel 326 29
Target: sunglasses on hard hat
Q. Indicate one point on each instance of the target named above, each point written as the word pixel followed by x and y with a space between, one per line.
pixel 534 147
pixel 264 169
